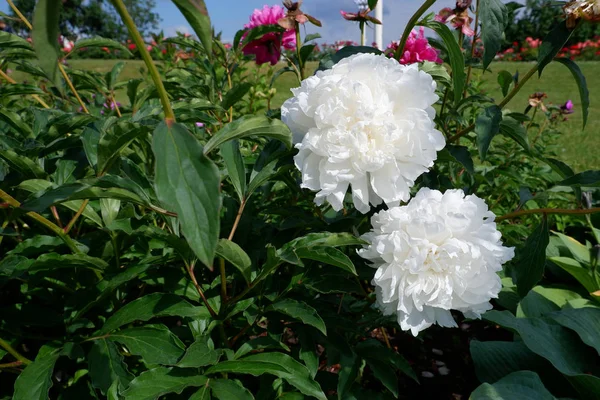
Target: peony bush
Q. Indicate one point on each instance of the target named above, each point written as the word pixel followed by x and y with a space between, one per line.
pixel 390 231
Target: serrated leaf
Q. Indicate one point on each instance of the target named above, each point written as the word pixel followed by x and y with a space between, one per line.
pixel 487 125
pixel 187 182
pixel 249 126
pixel 44 34
pixel 236 256
pixel 152 384
pixel 584 93
pixel 493 16
pixel 36 379
pixel 518 385
pixel 278 364
pixel 153 306
pixel 156 344
pixel 532 259
pixel 301 311
pixel 106 365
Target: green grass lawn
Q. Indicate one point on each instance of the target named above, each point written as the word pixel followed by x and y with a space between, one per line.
pixel 580 148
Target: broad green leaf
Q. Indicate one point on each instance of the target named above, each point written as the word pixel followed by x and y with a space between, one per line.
pixel 112 142
pixel 518 385
pixel 584 93
pixel 236 256
pixel 112 76
pixel 535 305
pixel 505 79
pixel 493 16
pixel 558 345
pixel 264 175
pixel 301 311
pixel 36 379
pixel 459 154
pixel 494 360
pixel 434 69
pixel 515 130
pixel 325 239
pixel 224 389
pixel 12 41
pixel 373 349
pixel 18 89
pixel 583 275
pixel 235 94
pixel 586 178
pixel 311 36
pixel 202 394
pixel 487 125
pixel 372 4
pixel 54 261
pixel 15 121
pixel 22 164
pixel 230 151
pixel 386 375
pixel 584 321
pixel 259 343
pixel 531 261
pixel 250 126
pixel 100 42
pixel 278 364
pixel 187 182
pixel 157 382
pixel 196 14
pixel 45 35
pixel 579 251
pixel 327 255
pixel 457 60
pixel 154 343
pixel 554 41
pixel 152 306
pixel 105 365
pixel 199 354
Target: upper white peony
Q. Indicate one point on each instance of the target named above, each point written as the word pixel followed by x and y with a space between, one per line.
pixel 368 123
pixel 439 252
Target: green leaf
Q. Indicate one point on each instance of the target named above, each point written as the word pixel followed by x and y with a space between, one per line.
pixel 586 179
pixel 583 275
pixel 436 70
pixel 515 130
pixel 112 142
pixel 235 94
pixel 199 354
pixel 300 311
pixel 113 75
pixel 386 375
pixel 230 151
pixel 487 125
pixel 311 36
pixel 349 365
pixel 236 256
pixel 259 343
pixel 579 251
pixel 224 389
pixel 202 394
pixel 45 35
pixel 550 341
pixel 278 364
pixel 248 126
pixel 554 41
pixel 196 14
pixel 12 41
pixel 23 164
pixel 532 259
pixel 584 321
pixel 53 261
pixel 152 384
pixel 535 304
pixel 458 154
pixel 330 60
pixel 187 182
pixel 100 42
pixel 518 385
pixel 153 306
pixel 36 379
pixel 493 16
pixel 374 350
pixel 505 79
pixel 18 89
pixel 327 255
pixel 15 121
pixel 154 343
pixel 584 93
pixel 325 239
pixel 372 4
pixel 105 365
pixel 457 60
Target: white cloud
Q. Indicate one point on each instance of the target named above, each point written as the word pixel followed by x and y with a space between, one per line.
pixel 172 30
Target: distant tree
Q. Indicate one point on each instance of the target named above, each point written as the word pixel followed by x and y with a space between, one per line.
pixel 94 17
pixel 536 18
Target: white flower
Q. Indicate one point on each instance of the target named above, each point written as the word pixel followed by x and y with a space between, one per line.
pixel 439 253
pixel 365 123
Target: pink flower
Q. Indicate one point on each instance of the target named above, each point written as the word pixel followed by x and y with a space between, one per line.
pixel 459 17
pixel 268 47
pixel 199 124
pixel 417 49
pixel 567 108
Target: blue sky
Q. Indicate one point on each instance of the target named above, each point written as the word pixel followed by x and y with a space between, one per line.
pixel 230 15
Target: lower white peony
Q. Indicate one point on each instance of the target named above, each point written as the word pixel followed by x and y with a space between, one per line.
pixel 365 123
pixel 438 253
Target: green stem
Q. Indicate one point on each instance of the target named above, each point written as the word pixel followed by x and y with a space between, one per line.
pixel 6 346
pixel 139 42
pixel 298 47
pixel 223 282
pixel 410 25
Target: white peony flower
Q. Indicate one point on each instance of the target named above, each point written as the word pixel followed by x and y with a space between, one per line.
pixel 365 123
pixel 440 252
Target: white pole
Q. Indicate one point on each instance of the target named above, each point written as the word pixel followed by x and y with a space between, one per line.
pixel 379 28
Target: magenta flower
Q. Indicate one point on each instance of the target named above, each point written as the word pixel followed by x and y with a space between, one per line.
pixel 268 47
pixel 417 49
pixel 567 108
pixel 199 125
